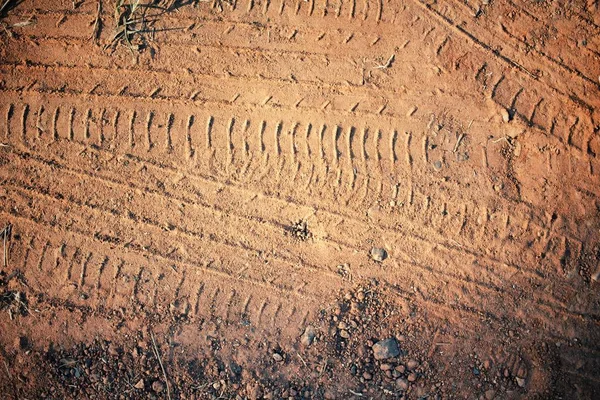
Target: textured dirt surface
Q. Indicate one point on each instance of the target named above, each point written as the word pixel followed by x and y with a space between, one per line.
pixel 240 199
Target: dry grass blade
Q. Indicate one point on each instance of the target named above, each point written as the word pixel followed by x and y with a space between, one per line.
pixel 97 22
pixel 5 5
pixel 157 354
pixel 6 234
pixel 133 20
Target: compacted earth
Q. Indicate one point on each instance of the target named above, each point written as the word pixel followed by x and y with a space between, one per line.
pixel 300 199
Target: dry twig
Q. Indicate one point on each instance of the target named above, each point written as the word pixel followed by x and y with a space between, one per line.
pixel 6 234
pixel 388 63
pixel 157 354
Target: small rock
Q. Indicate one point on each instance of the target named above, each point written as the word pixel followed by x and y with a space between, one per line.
pixel 367 376
pixel 158 386
pixel 277 357
pixel 139 385
pixel 387 348
pixel 505 115
pixel 385 367
pixel 412 364
pixel 112 350
pixel 412 377
pixel 490 394
pixel 329 394
pixel 437 165
pixel 400 368
pixel 378 254
pixel 344 334
pixel 308 336
pixel 254 391
pixel 402 383
pixel 520 382
pixel 216 385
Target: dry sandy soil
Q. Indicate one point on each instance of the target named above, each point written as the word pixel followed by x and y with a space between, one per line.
pixel 339 199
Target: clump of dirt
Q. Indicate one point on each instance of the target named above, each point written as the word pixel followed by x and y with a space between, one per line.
pixel 300 230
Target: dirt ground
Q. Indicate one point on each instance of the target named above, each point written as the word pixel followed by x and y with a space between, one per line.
pixel 300 199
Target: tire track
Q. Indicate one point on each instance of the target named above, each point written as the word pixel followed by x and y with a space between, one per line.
pixel 505 222
pixel 413 263
pixel 118 282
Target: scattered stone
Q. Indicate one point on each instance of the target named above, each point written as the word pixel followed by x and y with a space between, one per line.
pixel 112 350
pixel 378 254
pixel 385 349
pixel 412 364
pixel 402 383
pixel 520 382
pixel 505 115
pixel 158 386
pixel 344 334
pixel 139 385
pixel 400 368
pixel 437 165
pixel 308 336
pixel 367 376
pixel 490 394
pixel 329 394
pixel 385 367
pixel 277 357
pixel 254 391
pixel 412 377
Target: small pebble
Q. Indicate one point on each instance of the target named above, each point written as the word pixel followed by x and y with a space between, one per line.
pixel 344 334
pixel 437 165
pixel 308 336
pixel 412 377
pixel 490 394
pixel 158 386
pixel 385 349
pixel 378 254
pixel 367 376
pixel 139 385
pixel 412 364
pixel 277 357
pixel 385 367
pixel 402 383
